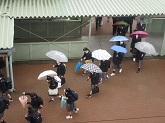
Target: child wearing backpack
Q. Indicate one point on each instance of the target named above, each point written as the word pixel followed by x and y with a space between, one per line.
pixel 71 97
pixel 36 101
pixel 52 89
pixel 4 104
pixel 33 116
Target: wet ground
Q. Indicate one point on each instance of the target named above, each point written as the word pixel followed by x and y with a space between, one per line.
pixel 127 97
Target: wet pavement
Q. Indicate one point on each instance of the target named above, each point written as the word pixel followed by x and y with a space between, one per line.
pixel 127 97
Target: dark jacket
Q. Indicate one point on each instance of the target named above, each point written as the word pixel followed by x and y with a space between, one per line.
pixel 35 102
pixel 87 56
pixel 117 58
pixel 60 69
pixel 32 115
pixel 94 78
pixel 135 40
pixel 140 26
pixel 70 97
pixel 139 55
pixel 104 65
pixel 3 85
pixel 121 44
pixel 4 104
pixel 53 84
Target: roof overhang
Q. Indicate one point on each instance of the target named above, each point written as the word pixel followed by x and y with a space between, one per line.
pixel 81 8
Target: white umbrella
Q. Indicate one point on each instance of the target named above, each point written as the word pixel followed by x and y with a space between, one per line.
pixel 91 67
pixel 46 73
pixel 101 54
pixel 145 47
pixel 57 55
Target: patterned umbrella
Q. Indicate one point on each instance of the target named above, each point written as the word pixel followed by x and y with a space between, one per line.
pixel 120 23
pixel 91 67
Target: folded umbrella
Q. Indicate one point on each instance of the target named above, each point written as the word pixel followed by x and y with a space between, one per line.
pixel 119 49
pixel 23 100
pixel 119 38
pixel 101 54
pixel 91 67
pixel 63 101
pixel 78 65
pixel 57 55
pixel 146 47
pixel 46 73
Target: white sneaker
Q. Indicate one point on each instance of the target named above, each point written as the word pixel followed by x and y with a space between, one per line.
pixel 107 76
pixel 69 117
pixel 77 109
pixel 134 59
pixel 112 74
pixel 120 70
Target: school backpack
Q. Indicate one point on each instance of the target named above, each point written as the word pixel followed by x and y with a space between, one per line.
pixel 74 95
pixel 40 101
pixel 4 102
pixel 9 83
pixel 64 66
pixel 36 117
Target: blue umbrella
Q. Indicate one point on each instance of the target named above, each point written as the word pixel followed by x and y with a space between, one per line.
pixel 119 38
pixel 119 49
pixel 79 64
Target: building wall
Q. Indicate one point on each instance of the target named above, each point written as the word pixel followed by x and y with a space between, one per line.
pixel 46 29
pixel 37 51
pixel 157 26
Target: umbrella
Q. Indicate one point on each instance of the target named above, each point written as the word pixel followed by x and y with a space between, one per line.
pixel 91 67
pixel 119 49
pixel 46 73
pixel 119 38
pixel 142 34
pixel 57 55
pixel 63 101
pixel 79 64
pixel 101 54
pixel 145 47
pixel 23 100
pixel 120 23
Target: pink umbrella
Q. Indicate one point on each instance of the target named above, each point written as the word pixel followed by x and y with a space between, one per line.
pixel 23 100
pixel 142 34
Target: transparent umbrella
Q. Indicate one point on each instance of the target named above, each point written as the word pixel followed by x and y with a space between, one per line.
pixel 101 54
pixel 57 55
pixel 146 47
pixel 46 73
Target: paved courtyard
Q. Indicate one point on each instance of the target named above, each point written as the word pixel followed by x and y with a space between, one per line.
pixel 127 97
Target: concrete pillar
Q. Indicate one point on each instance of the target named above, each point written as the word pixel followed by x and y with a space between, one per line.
pixel 162 53
pixel 90 29
pixel 11 72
